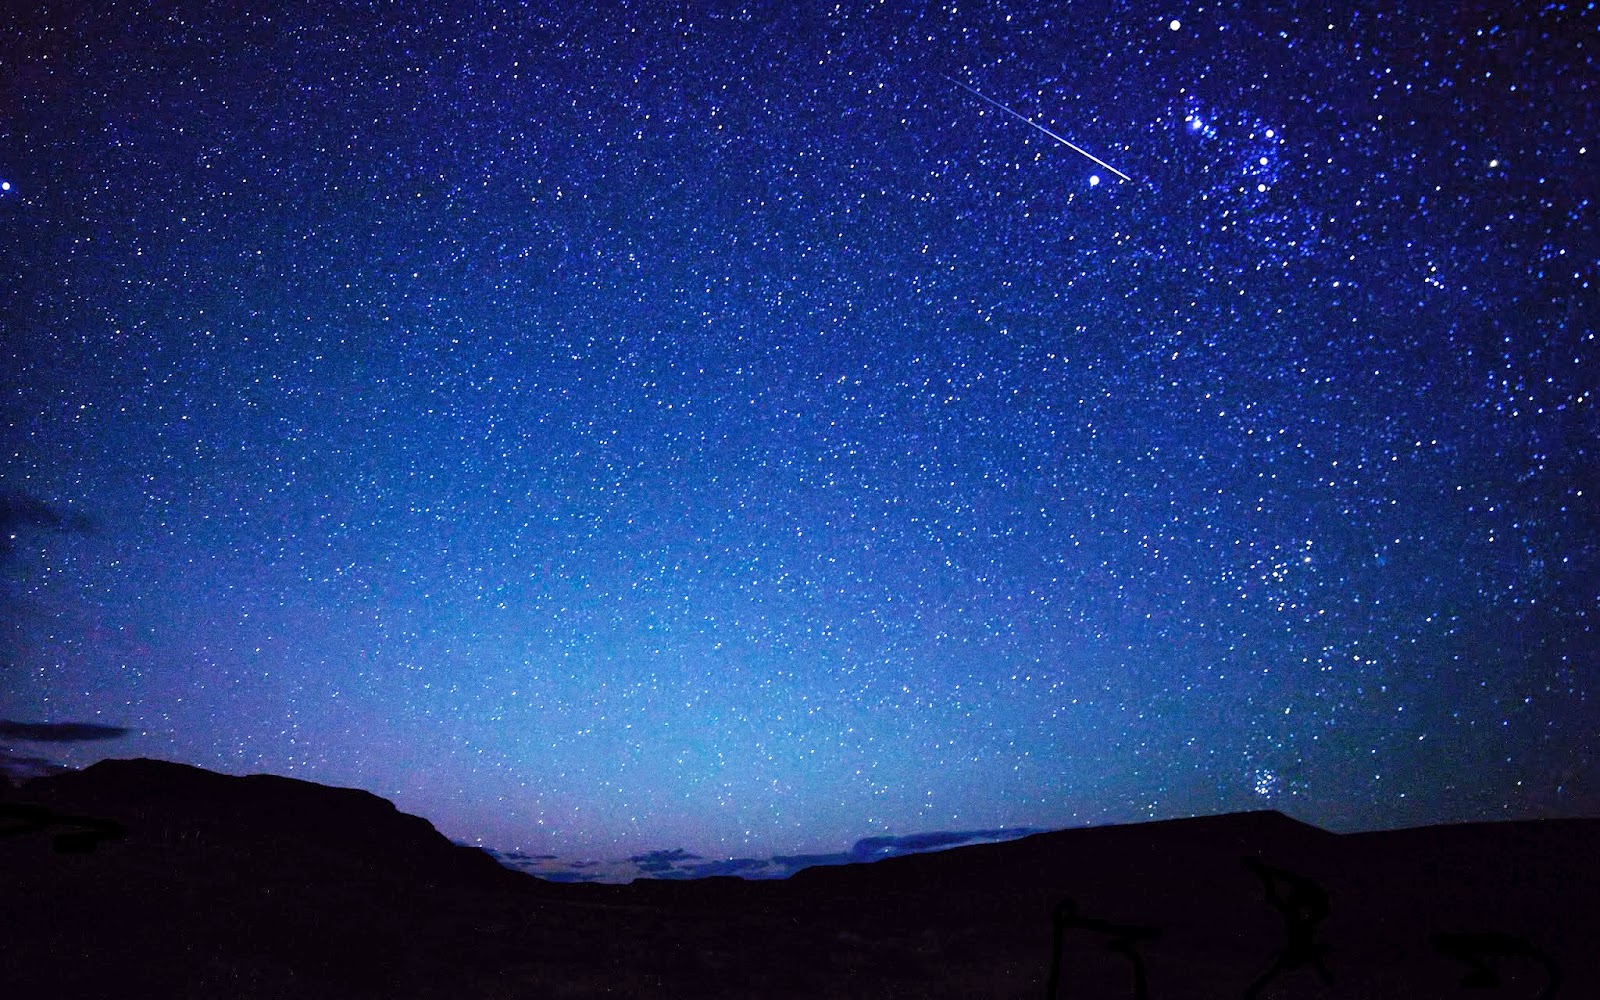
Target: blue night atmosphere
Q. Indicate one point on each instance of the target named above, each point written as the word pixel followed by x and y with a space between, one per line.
pixel 737 430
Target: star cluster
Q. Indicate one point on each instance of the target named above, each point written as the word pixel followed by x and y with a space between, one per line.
pixel 621 429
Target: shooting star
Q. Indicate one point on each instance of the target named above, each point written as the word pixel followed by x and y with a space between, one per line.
pixel 1029 121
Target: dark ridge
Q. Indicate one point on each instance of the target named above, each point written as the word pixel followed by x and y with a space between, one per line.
pixel 273 820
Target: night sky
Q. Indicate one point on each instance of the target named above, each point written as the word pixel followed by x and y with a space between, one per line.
pixel 747 428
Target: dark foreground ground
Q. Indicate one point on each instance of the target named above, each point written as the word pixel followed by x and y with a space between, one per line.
pixel 142 878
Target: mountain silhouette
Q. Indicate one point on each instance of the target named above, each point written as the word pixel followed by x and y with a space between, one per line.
pixel 265 821
pixel 146 878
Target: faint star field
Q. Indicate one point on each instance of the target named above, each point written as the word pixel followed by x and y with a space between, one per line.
pixel 621 429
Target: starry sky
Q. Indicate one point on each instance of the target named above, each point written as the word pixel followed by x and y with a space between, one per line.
pixel 751 427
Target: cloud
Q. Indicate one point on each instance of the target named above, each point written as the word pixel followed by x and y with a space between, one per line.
pixel 22 767
pixel 660 862
pixel 568 876
pixel 19 511
pixel 794 862
pixel 743 867
pixel 58 732
pixel 680 864
pixel 870 848
pixel 519 856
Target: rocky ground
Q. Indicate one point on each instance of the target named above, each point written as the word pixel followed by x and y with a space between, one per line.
pixel 142 878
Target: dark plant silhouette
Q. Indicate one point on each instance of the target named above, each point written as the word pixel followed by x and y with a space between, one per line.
pixel 1124 940
pixel 1303 904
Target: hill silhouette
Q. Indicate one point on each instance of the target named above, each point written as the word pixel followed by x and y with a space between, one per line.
pixel 146 878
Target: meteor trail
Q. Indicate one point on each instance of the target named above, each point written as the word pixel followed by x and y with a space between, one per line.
pixel 1029 121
